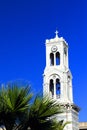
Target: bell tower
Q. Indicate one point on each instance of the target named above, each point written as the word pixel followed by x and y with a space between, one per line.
pixel 57 80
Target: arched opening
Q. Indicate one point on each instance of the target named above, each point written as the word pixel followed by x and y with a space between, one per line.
pixel 51 59
pixel 57 87
pixel 51 87
pixel 57 58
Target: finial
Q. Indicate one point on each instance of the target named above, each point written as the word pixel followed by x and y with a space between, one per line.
pixel 56 34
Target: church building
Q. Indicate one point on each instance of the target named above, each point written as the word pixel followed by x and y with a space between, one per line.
pixel 57 80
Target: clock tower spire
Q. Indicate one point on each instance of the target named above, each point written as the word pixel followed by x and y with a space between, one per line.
pixel 57 80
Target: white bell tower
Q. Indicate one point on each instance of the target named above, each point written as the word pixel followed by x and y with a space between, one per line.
pixel 57 81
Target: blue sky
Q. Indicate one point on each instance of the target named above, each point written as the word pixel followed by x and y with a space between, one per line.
pixel 24 27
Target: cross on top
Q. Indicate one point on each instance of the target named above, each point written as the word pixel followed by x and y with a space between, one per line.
pixel 56 34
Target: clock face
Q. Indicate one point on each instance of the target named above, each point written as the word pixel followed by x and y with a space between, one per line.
pixel 54 48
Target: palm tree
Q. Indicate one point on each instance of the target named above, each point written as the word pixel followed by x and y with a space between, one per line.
pixel 17 112
pixel 41 115
pixel 14 105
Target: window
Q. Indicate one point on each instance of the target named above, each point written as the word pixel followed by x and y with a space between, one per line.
pixel 51 59
pixel 52 87
pixel 57 87
pixel 57 58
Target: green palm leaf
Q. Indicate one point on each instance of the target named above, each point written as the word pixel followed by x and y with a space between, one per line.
pixel 14 102
pixel 42 112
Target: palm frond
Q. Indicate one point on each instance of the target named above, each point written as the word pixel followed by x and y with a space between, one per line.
pixel 14 102
pixel 42 113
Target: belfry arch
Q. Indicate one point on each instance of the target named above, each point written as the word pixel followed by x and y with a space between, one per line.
pixel 54 86
pixel 51 59
pixel 57 58
pixel 57 88
pixel 54 58
pixel 51 87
